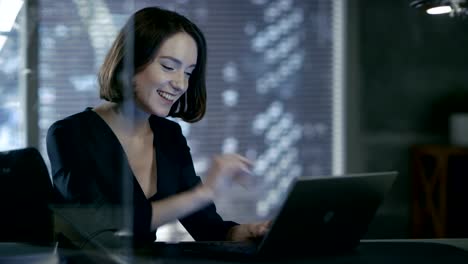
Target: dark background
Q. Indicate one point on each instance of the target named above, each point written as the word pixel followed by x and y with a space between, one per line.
pixel 407 73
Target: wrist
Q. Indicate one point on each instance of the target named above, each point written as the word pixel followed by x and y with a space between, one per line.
pixel 204 193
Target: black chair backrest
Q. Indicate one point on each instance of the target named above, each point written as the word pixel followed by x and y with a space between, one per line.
pixel 25 193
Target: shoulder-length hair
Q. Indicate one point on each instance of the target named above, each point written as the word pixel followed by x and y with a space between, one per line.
pixel 137 44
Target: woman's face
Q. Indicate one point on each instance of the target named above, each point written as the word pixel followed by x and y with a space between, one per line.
pixel 165 79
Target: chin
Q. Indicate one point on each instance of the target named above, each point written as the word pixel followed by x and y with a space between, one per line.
pixel 156 108
pixel 160 112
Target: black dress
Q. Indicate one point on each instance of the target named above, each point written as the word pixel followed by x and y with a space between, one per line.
pixel 89 166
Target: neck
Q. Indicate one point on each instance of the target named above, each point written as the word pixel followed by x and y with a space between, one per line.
pixel 129 119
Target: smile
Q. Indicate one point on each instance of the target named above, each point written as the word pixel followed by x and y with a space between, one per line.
pixel 167 96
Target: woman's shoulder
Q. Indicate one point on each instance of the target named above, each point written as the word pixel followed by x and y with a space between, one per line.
pixel 78 120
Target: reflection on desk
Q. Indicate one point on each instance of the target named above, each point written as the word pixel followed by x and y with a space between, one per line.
pixel 382 252
pixel 461 243
pixel 12 253
pixel 426 251
pixel 369 251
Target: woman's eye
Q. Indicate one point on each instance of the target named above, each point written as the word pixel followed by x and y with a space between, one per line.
pixel 188 74
pixel 167 67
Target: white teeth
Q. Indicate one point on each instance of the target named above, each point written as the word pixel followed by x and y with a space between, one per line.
pixel 167 96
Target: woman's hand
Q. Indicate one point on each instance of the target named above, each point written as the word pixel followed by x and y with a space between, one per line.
pixel 248 232
pixel 224 170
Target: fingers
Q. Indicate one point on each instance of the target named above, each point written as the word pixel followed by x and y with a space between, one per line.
pixel 244 169
pixel 260 229
pixel 247 164
pixel 249 232
pixel 235 165
pixel 268 223
pixel 264 227
pixel 243 176
pixel 226 169
pixel 243 159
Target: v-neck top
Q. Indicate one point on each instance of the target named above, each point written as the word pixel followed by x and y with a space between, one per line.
pixel 90 167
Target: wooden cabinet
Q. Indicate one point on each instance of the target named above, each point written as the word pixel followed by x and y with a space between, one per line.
pixel 439 191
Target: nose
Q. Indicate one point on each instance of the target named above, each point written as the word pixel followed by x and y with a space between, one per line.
pixel 179 83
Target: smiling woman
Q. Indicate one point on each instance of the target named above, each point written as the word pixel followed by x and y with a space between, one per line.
pixel 270 91
pixel 162 58
pixel 127 145
pixel 166 79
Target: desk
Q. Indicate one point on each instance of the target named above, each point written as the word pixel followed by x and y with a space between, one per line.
pixel 461 243
pixel 390 251
pixel 370 251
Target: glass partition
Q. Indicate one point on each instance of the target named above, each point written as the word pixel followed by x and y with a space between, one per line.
pixel 270 87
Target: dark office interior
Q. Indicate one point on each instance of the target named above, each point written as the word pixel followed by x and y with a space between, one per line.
pixel 406 81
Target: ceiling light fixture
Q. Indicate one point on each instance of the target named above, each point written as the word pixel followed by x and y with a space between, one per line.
pixel 439 10
pixel 438 7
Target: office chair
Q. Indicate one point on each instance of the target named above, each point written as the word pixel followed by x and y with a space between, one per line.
pixel 25 193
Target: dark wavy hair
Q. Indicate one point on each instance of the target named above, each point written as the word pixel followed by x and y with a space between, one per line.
pixel 138 42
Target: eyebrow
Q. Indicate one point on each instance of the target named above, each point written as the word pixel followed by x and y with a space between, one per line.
pixel 175 60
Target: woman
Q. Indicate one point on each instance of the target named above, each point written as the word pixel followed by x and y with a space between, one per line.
pixel 126 141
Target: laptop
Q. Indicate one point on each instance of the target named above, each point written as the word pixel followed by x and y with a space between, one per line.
pixel 320 215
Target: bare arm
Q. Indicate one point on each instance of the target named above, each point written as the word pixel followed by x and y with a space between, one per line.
pixel 179 205
pixel 224 170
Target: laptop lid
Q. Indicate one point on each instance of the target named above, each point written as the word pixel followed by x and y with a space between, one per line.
pixel 326 214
